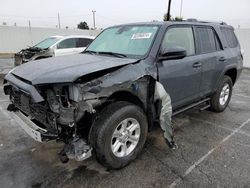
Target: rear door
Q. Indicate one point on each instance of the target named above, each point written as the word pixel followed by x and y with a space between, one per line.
pixel 209 50
pixel 232 49
pixel 181 78
pixel 66 47
pixel 82 43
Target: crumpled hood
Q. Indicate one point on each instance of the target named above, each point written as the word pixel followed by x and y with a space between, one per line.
pixel 66 68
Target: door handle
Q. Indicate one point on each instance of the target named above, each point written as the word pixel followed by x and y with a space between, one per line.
pixel 197 65
pixel 222 59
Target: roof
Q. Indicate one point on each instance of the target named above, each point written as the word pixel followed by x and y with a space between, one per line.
pixel 187 22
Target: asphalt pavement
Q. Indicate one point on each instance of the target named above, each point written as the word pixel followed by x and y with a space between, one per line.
pixel 6 64
pixel 213 151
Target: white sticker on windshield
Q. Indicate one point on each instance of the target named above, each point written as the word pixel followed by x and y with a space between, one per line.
pixel 141 36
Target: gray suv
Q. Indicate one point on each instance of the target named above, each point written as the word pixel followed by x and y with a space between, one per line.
pixel 103 101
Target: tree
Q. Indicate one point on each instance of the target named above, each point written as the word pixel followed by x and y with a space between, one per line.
pixel 171 18
pixel 165 17
pixel 83 25
pixel 178 19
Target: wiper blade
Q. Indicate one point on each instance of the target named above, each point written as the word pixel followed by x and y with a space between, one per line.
pixel 113 54
pixel 89 52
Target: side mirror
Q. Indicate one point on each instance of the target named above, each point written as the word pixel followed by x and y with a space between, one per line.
pixel 173 53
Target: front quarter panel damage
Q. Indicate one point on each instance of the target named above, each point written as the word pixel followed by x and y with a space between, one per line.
pixel 133 78
pixel 139 80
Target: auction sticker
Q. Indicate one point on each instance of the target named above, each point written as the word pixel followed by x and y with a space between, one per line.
pixel 141 36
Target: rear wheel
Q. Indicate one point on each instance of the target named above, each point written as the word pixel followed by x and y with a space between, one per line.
pixel 119 134
pixel 222 96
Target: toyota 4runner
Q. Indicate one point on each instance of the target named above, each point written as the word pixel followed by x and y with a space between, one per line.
pixel 102 101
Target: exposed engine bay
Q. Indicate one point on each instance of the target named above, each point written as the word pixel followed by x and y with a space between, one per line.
pixel 29 54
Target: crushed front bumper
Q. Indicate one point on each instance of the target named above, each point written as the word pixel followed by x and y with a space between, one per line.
pixel 37 133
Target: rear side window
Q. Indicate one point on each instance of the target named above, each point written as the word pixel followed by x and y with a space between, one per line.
pixel 82 42
pixel 67 43
pixel 179 37
pixel 207 40
pixel 230 37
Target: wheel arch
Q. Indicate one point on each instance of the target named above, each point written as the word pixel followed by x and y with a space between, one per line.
pixel 147 104
pixel 41 57
pixel 232 73
pixel 127 96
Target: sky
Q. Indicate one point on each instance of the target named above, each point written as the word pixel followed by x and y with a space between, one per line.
pixel 43 13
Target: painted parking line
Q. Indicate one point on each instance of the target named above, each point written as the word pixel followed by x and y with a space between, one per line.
pixel 241 144
pixel 239 95
pixel 220 126
pixel 191 168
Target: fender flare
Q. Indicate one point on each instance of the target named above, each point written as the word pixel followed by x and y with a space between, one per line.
pixel 227 68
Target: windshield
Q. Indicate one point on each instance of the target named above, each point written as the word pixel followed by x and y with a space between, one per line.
pixel 131 41
pixel 47 43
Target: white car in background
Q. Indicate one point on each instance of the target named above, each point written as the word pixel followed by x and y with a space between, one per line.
pixel 54 46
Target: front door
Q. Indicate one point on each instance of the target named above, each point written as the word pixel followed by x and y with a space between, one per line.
pixel 66 47
pixel 181 78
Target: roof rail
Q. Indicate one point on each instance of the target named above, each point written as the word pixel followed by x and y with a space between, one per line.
pixel 200 21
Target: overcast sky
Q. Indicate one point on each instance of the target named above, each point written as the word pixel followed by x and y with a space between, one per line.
pixel 43 13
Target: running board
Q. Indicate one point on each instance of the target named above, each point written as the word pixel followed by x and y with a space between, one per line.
pixel 192 106
pixel 205 107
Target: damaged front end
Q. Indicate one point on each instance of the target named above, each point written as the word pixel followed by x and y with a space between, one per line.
pixel 30 54
pixel 50 113
pixel 66 111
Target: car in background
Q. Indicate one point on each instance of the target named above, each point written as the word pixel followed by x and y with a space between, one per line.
pixel 53 46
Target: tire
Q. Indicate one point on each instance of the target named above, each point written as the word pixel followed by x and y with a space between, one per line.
pixel 217 104
pixel 109 121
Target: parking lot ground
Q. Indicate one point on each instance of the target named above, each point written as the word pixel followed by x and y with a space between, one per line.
pixel 214 151
pixel 6 64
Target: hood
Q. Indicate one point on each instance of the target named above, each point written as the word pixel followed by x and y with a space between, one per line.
pixel 66 68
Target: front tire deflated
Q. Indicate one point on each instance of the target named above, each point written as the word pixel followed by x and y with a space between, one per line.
pixel 118 134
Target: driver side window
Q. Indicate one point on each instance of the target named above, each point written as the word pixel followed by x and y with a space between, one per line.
pixel 179 37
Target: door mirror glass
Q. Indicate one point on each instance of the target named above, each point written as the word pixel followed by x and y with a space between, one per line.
pixel 173 53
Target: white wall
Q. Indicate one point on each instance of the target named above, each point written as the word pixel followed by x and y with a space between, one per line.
pixel 13 39
pixel 244 38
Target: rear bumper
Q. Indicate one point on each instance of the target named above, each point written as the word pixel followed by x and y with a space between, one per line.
pixel 37 133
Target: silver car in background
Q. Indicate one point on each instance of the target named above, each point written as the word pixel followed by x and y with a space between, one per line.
pixel 53 46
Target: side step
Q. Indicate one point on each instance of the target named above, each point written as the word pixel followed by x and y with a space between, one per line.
pixel 204 101
pixel 205 107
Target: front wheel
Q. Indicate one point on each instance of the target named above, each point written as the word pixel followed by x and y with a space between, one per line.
pixel 222 96
pixel 119 134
